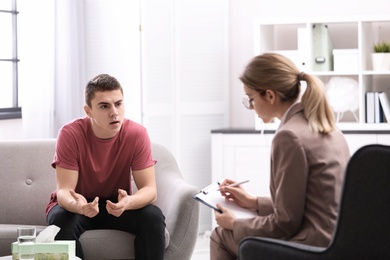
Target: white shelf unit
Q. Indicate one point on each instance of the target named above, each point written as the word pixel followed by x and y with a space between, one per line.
pixel 294 39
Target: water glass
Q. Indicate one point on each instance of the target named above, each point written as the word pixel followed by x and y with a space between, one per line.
pixel 26 242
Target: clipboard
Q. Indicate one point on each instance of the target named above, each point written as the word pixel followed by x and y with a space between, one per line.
pixel 210 196
pixel 211 200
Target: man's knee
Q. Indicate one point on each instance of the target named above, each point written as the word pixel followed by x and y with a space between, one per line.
pixel 154 219
pixel 58 215
pixel 70 224
pixel 152 213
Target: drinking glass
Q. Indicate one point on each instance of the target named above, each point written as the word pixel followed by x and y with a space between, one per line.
pixel 26 242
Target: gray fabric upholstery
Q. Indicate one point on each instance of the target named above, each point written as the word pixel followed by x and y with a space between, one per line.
pixel 363 228
pixel 27 180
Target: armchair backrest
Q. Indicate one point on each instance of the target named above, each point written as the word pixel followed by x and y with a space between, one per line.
pixel 363 227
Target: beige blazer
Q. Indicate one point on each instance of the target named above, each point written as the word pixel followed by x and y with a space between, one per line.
pixel 307 171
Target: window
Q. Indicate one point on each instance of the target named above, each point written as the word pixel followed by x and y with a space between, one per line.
pixel 9 103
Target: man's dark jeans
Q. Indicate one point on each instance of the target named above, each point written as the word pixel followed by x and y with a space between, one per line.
pixel 147 224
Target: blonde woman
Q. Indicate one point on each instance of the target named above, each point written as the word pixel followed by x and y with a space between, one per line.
pixel 308 159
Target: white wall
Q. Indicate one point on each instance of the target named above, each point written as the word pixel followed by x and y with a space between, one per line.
pixel 242 14
pixel 11 129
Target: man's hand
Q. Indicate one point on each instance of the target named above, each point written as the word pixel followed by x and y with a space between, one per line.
pixel 83 207
pixel 224 219
pixel 117 209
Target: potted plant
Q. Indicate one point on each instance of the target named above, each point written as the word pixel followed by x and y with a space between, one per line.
pixel 381 56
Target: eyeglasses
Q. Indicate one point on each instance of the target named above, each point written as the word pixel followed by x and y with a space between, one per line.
pixel 247 102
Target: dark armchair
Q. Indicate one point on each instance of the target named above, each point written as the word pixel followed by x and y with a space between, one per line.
pixel 363 227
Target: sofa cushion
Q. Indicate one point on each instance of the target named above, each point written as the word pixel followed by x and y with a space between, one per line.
pixel 112 239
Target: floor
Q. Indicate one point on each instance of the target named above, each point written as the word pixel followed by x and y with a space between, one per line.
pixel 202 249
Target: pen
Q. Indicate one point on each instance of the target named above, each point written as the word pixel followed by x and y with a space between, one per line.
pixel 236 184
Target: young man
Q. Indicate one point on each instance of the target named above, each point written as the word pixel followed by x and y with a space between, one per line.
pixel 94 159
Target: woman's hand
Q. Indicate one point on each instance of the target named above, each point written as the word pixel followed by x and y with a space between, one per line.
pixel 237 194
pixel 224 219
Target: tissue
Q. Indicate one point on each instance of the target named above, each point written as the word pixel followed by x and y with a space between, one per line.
pixel 47 235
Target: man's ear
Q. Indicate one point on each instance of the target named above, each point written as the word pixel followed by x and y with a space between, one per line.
pixel 87 110
pixel 270 95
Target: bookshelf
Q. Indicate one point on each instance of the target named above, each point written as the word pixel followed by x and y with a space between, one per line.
pixel 353 36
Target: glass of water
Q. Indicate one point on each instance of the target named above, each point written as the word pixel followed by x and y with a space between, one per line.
pixel 26 242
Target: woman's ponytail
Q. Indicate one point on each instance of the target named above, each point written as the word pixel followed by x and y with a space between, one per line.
pixel 317 109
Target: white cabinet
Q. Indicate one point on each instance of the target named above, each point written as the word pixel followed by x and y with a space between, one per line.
pixel 383 139
pixel 355 141
pixel 350 36
pixel 242 157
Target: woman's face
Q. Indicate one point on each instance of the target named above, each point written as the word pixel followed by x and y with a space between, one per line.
pixel 263 105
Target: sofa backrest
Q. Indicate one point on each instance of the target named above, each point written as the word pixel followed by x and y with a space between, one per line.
pixel 26 180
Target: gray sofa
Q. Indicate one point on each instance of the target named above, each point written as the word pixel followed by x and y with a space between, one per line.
pixel 27 180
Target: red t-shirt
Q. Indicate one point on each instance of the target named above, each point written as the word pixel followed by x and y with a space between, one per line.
pixel 104 165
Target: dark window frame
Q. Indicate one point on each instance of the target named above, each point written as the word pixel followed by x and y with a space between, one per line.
pixel 15 111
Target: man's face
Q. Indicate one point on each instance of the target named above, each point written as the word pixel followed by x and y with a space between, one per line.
pixel 106 113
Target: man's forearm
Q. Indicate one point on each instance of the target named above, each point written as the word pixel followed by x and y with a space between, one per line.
pixel 66 201
pixel 142 197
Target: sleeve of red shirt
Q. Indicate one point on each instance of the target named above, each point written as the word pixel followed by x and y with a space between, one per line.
pixel 143 153
pixel 65 155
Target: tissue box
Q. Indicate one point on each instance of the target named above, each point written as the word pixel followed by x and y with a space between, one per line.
pixel 57 250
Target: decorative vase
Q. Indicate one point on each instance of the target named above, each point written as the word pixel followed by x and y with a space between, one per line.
pixel 381 61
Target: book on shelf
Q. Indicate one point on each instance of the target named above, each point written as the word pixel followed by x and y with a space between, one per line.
pixel 370 107
pixel 377 107
pixel 384 101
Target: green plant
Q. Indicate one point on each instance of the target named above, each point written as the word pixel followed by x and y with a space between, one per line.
pixel 382 47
